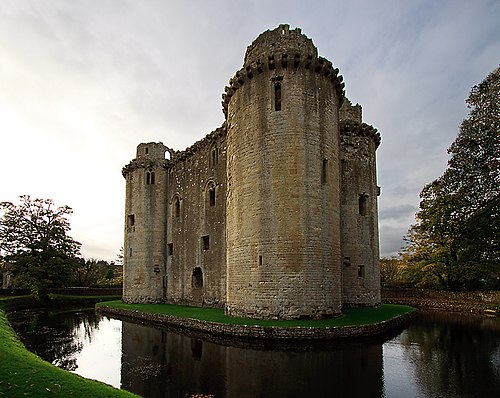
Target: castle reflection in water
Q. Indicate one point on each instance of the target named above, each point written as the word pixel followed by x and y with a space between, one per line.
pixel 156 363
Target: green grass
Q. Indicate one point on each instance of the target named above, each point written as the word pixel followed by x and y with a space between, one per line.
pixel 351 317
pixel 23 374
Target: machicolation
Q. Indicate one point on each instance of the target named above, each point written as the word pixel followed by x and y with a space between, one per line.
pixel 272 215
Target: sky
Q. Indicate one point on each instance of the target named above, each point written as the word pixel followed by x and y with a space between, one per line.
pixel 83 82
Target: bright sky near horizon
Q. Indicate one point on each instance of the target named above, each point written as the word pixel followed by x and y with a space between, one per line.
pixel 83 82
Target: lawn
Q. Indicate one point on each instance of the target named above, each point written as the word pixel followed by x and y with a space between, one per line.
pixel 23 374
pixel 351 316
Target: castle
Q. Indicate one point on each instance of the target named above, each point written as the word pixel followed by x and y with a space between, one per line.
pixel 274 214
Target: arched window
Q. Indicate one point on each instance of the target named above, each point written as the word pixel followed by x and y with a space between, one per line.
pixel 197 278
pixel 177 207
pixel 211 196
pixel 150 177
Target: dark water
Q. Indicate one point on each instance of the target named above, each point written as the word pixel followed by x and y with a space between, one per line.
pixel 438 355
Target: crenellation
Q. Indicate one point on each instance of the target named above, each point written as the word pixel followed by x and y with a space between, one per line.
pixel 261 215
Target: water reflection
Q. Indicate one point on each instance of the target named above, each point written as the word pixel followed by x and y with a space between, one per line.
pixel 157 363
pixel 73 339
pixel 51 335
pixel 437 356
pixel 454 355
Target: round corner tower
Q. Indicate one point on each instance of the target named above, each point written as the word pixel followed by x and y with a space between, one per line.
pixel 283 181
pixel 360 242
pixel 145 224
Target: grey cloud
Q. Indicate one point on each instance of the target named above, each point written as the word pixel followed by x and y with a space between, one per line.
pixel 155 70
pixel 397 212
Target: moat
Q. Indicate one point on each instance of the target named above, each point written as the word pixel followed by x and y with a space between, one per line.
pixel 438 355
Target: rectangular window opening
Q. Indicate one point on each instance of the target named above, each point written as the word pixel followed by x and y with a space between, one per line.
pixel 347 261
pixel 260 260
pixel 212 196
pixel 170 249
pixel 361 271
pixel 277 96
pixel 324 171
pixel 363 204
pixel 205 242
pixel 130 220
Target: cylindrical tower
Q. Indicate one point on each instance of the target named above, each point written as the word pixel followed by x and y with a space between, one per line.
pixel 283 193
pixel 360 242
pixel 144 259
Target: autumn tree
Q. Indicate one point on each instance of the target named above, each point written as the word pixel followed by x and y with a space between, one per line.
pixel 35 244
pixel 456 238
pixel 391 271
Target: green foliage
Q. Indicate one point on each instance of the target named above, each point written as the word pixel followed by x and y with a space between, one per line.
pixel 35 244
pixel 109 274
pixel 90 272
pixel 455 241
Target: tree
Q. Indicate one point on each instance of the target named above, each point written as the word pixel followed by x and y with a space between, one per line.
pixel 34 241
pixel 456 238
pixel 87 272
pixel 391 271
pixel 109 274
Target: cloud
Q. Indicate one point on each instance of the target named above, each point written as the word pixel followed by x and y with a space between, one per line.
pixel 83 82
pixel 397 212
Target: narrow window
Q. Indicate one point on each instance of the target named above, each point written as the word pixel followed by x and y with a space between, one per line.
pixel 214 157
pixel 361 271
pixel 260 260
pixel 130 252
pixel 177 207
pixel 170 249
pixel 152 178
pixel 205 242
pixel 324 171
pixel 130 220
pixel 347 261
pixel 147 150
pixel 197 278
pixel 211 193
pixel 363 204
pixel 277 96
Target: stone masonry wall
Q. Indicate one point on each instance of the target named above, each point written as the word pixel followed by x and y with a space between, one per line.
pixel 261 214
pixel 360 246
pixel 283 217
pixel 196 243
pixel 145 221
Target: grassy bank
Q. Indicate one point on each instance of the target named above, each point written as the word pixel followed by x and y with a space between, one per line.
pixel 351 316
pixel 23 374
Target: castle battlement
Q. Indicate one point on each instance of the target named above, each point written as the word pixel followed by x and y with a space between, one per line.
pixel 272 215
pixel 282 48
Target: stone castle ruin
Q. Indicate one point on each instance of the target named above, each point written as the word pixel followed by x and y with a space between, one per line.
pixel 273 215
